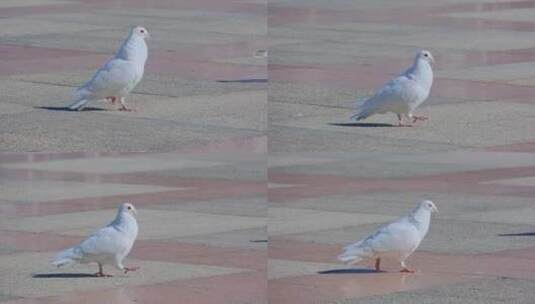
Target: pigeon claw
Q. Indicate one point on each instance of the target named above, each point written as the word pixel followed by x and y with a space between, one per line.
pixel 123 108
pixel 417 118
pixel 407 270
pixel 378 264
pixel 127 269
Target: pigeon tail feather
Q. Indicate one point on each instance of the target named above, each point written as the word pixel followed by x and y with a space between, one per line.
pixel 66 257
pixel 361 114
pixel 78 104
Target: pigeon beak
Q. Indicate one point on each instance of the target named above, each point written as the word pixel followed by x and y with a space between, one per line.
pixel 432 62
pixel 435 209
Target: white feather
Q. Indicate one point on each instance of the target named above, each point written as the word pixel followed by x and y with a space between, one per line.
pixel 107 246
pixel 396 240
pixel 118 77
pixel 403 94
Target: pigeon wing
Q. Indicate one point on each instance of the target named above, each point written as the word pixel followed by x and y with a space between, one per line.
pixel 114 76
pixel 106 241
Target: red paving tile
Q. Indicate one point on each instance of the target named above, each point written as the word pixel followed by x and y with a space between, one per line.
pixel 460 182
pixel 29 60
pixel 290 249
pixel 57 64
pixel 527 147
pixel 228 6
pixel 422 15
pixel 37 242
pixel 167 64
pixel 179 252
pixel 16 157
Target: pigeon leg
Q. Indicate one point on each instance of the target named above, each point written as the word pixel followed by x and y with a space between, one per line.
pixel 101 273
pixel 378 264
pixel 127 269
pixel 405 269
pixel 416 118
pixel 123 106
pixel 400 121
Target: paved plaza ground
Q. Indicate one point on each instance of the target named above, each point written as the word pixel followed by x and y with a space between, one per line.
pixel 334 181
pixel 248 190
pixel 203 80
pixel 326 54
pixel 202 223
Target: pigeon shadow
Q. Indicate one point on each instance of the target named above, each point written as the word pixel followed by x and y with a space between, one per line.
pixel 349 271
pixel 361 125
pixel 66 109
pixel 62 275
pixel 253 80
pixel 518 234
pixel 258 241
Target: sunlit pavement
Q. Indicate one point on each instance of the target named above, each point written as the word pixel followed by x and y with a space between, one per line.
pixel 202 195
pixel 201 216
pixel 333 181
pixel 326 55
pixel 203 79
pixel 480 247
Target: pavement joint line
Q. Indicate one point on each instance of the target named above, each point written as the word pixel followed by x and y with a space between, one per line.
pixel 311 104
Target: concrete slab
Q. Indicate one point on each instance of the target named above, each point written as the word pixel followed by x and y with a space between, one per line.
pixel 111 165
pixel 250 207
pixel 480 123
pixel 30 275
pixel 40 191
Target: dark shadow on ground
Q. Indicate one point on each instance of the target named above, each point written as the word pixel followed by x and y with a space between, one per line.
pixel 253 80
pixel 361 124
pixel 348 270
pixel 518 234
pixel 66 109
pixel 258 241
pixel 62 275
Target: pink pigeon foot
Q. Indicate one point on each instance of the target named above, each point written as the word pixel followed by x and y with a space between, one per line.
pixel 417 118
pixel 127 269
pixel 407 270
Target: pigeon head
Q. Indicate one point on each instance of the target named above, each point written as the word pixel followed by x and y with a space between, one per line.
pixel 428 206
pixel 426 56
pixel 140 32
pixel 128 208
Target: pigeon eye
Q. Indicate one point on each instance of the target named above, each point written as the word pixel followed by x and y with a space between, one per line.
pixel 426 55
pixel 143 31
pixel 129 208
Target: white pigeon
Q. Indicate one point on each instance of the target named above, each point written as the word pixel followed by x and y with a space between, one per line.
pixel 397 240
pixel 108 246
pixel 403 94
pixel 119 75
